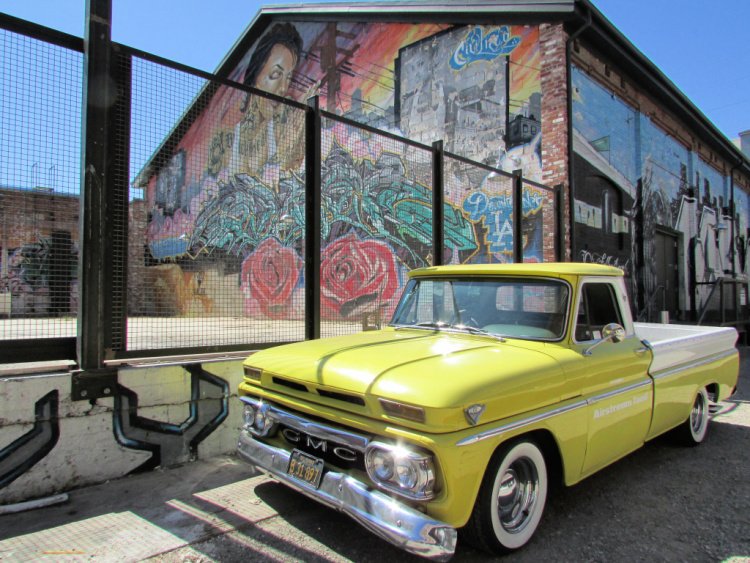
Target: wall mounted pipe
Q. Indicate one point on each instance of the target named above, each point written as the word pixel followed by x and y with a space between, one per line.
pixel 569 108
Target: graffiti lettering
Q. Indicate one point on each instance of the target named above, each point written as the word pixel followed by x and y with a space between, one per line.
pixel 479 47
pixel 496 212
pixel 604 258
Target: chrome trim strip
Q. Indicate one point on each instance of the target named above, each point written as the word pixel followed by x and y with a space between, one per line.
pixel 549 414
pixel 180 360
pixel 689 365
pixel 610 394
pixel 518 424
pixel 349 439
pixel 384 516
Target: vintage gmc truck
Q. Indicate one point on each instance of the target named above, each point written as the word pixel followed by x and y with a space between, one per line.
pixel 490 383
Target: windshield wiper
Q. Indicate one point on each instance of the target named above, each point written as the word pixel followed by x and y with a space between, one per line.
pixel 424 324
pixel 477 330
pixel 432 324
pixel 460 327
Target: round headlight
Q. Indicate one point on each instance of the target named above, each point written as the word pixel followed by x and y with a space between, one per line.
pixel 406 474
pixel 382 465
pixel 260 420
pixel 400 470
pixel 249 416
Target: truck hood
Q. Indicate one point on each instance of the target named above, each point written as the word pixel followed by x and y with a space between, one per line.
pixel 444 373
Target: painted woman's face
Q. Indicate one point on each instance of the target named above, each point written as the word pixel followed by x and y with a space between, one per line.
pixel 276 74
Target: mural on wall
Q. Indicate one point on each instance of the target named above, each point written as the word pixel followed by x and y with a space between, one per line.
pixel 623 156
pixel 478 89
pixel 452 86
pixel 524 129
pixel 231 195
pixel 712 245
pixel 742 231
pixel 490 207
pixel 24 452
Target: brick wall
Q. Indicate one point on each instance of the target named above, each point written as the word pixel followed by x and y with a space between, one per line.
pixel 137 225
pixel 28 215
pixel 552 39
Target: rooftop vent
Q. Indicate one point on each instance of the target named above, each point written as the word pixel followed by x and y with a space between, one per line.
pixel 745 143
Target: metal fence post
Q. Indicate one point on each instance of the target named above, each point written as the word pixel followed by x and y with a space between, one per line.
pixel 437 202
pixel 312 219
pixel 94 332
pixel 559 223
pixel 518 216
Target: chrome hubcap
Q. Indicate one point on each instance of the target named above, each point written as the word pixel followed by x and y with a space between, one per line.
pixel 517 495
pixel 698 414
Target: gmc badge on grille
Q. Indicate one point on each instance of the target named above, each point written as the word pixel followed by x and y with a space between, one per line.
pixel 318 444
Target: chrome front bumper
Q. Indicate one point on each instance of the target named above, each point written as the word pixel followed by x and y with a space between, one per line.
pixel 384 516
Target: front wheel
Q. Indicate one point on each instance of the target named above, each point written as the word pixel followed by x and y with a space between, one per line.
pixel 693 431
pixel 511 499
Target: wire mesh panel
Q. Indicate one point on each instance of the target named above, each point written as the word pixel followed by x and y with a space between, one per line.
pixel 478 214
pixel 216 238
pixel 376 223
pixel 720 302
pixel 40 148
pixel 539 223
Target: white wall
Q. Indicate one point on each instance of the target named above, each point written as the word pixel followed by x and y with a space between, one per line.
pixel 42 452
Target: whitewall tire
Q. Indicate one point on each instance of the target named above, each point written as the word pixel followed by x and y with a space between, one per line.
pixel 511 499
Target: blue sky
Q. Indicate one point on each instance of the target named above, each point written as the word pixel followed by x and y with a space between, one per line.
pixel 703 47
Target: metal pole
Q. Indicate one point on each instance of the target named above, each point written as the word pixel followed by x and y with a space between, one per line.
pixel 94 333
pixel 312 219
pixel 437 202
pixel 692 279
pixel 569 109
pixel 518 216
pixel 560 223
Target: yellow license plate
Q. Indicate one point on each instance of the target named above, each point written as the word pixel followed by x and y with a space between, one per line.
pixel 305 468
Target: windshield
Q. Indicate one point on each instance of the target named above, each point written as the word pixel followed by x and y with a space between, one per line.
pixel 533 309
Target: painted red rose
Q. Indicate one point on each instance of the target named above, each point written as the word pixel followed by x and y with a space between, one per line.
pixel 356 275
pixel 269 276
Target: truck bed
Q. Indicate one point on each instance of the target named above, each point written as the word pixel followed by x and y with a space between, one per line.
pixel 677 345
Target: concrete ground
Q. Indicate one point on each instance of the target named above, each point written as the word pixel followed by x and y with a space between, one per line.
pixel 660 503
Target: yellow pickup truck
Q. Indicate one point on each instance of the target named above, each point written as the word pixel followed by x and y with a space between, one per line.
pixel 490 383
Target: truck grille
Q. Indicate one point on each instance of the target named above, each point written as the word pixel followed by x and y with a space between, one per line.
pixel 336 395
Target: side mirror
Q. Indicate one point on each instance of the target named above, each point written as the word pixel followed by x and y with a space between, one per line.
pixel 612 332
pixel 371 321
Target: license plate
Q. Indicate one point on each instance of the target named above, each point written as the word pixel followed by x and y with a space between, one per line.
pixel 305 468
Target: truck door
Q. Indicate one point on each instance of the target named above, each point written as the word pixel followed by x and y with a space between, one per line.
pixel 613 376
